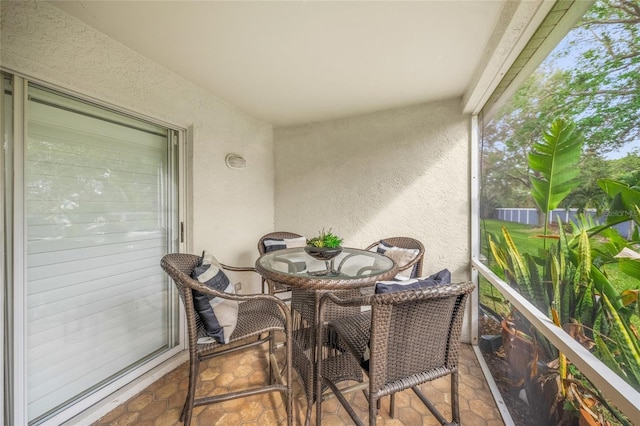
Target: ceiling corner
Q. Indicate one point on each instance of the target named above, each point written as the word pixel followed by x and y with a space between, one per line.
pixel 516 25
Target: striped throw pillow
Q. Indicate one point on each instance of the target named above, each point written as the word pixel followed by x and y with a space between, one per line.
pixel 272 244
pixel 218 316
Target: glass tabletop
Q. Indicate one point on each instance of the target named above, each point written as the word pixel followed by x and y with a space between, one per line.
pixel 350 268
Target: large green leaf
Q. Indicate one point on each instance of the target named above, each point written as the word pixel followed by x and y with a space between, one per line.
pixel 554 163
pixel 625 201
pixel 630 267
pixel 604 287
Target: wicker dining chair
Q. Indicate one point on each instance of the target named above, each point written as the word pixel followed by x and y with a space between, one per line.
pixel 259 317
pixel 414 265
pixel 412 336
pixel 275 288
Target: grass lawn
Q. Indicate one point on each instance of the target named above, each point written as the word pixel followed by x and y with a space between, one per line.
pixel 528 239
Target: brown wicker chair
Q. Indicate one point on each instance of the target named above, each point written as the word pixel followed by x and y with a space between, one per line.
pixel 259 316
pixel 407 243
pixel 275 288
pixel 414 337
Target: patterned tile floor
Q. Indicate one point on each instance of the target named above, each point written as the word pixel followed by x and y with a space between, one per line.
pixel 160 404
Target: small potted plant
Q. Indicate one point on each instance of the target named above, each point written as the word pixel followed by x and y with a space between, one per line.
pixel 325 246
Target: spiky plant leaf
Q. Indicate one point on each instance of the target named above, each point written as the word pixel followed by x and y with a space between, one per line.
pixel 498 254
pixel 567 293
pixel 606 355
pixel 516 264
pixel 585 307
pixel 627 344
pixel 584 259
pixel 555 283
pixel 536 288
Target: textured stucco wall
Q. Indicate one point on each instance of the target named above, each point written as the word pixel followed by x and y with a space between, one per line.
pixel 403 172
pixel 232 209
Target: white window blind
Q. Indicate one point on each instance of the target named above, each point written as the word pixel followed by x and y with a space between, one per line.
pixel 97 191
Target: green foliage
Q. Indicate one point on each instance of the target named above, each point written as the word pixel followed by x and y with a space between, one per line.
pixel 598 92
pixel 621 351
pixel 588 195
pixel 325 239
pixel 563 283
pixel 509 137
pixel 589 252
pixel 603 82
pixel 626 169
pixel 553 162
pixel 625 204
pixel 581 299
pixel 592 79
pixel 630 267
pixel 522 272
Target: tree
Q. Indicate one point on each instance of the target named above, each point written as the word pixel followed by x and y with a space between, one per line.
pixel 604 88
pixel 592 79
pixel 588 194
pixel 509 138
pixel 627 169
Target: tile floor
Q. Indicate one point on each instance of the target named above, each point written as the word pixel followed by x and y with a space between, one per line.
pixel 160 404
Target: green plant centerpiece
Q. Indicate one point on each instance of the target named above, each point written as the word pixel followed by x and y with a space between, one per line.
pixel 325 246
pixel 325 239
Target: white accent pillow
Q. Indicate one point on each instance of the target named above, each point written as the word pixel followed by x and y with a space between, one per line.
pixel 401 256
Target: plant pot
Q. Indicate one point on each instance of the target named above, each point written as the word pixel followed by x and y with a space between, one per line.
pixel 518 350
pixel 540 384
pixel 323 253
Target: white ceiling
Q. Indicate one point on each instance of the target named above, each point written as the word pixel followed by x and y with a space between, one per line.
pixel 293 62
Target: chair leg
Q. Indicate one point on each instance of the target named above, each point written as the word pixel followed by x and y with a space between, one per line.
pixel 373 410
pixel 392 406
pixel 187 410
pixel 289 374
pixel 307 419
pixel 319 410
pixel 436 413
pixel 272 351
pixel 455 402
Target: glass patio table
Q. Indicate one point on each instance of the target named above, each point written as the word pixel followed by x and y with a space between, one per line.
pixel 346 274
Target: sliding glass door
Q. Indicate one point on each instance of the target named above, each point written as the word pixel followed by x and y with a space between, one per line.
pixel 100 210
